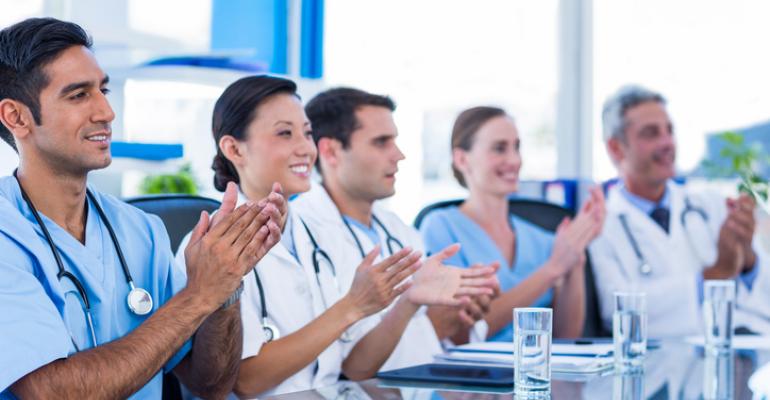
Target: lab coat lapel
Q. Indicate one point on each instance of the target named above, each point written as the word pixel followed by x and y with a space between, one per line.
pixel 651 239
pixel 317 205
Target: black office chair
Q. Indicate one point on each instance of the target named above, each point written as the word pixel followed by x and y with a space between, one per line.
pixel 179 214
pixel 547 216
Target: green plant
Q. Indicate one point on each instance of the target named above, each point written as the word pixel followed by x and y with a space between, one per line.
pixel 737 158
pixel 181 182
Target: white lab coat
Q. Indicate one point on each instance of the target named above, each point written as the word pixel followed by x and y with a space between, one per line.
pixel 293 300
pixel 673 306
pixel 419 342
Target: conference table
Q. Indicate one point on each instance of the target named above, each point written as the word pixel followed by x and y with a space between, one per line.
pixel 675 370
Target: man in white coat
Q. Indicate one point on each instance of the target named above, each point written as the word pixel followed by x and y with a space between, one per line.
pixel 358 159
pixel 661 238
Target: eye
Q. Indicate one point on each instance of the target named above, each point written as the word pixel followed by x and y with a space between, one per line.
pixel 380 142
pixel 309 134
pixel 285 133
pixel 499 148
pixel 106 91
pixel 78 96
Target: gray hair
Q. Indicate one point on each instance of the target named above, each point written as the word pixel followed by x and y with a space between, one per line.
pixel 615 107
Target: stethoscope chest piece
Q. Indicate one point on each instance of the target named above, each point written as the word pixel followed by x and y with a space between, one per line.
pixel 645 268
pixel 271 331
pixel 139 301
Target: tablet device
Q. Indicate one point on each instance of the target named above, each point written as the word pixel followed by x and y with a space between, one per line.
pixel 453 374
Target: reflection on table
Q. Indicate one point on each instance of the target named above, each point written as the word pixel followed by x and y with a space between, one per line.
pixel 676 370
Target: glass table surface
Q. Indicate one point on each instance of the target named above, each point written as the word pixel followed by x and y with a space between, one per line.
pixel 676 370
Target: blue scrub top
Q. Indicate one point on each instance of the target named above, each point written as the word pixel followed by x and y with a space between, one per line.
pixel 449 225
pixel 40 316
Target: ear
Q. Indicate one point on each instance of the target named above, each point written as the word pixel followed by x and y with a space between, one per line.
pixel 329 151
pixel 16 117
pixel 460 160
pixel 615 149
pixel 233 149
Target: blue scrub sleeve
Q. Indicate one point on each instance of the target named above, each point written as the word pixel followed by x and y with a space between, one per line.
pixel 749 277
pixel 175 279
pixel 32 331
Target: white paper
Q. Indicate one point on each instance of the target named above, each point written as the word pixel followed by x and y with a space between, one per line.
pixel 571 358
pixel 600 349
pixel 740 342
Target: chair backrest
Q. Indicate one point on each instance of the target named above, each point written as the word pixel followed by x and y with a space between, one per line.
pixel 547 216
pixel 179 212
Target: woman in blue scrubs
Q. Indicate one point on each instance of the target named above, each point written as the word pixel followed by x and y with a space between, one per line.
pixel 538 268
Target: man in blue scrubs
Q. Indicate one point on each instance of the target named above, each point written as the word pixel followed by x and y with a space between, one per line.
pixel 67 326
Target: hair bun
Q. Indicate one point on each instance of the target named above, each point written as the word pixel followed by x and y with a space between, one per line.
pixel 223 172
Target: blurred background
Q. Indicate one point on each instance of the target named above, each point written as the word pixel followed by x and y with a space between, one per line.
pixel 550 63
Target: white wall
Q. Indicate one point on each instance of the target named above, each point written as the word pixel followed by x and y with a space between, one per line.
pixel 8 159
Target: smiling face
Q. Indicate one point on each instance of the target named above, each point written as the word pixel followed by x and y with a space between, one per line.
pixel 74 134
pixel 278 148
pixel 647 153
pixel 493 162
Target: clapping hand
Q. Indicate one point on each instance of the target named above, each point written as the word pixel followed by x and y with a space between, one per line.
pixel 439 284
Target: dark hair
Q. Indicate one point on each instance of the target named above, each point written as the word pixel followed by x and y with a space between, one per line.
pixel 25 49
pixel 234 111
pixel 332 113
pixel 464 130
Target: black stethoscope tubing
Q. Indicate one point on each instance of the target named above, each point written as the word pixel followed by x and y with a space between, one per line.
pixel 271 330
pixel 63 273
pixel 390 240
pixel 644 266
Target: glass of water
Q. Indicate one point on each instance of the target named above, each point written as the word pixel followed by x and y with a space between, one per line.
pixel 718 306
pixel 629 330
pixel 628 386
pixel 719 376
pixel 532 329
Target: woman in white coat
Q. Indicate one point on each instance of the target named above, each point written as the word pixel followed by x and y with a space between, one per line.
pixel 295 318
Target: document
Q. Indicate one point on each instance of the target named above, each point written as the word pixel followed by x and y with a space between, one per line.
pixel 740 342
pixel 565 358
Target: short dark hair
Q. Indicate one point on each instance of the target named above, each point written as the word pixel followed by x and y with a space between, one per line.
pixel 332 113
pixel 25 49
pixel 234 111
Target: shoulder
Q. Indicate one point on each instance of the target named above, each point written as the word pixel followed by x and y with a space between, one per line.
pixel 397 227
pixel 441 218
pixel 19 243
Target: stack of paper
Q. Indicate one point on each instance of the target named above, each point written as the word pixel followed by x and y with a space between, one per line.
pixel 740 342
pixel 566 358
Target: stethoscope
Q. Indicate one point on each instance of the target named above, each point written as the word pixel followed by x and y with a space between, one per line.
pixel 643 266
pixel 139 300
pixel 390 241
pixel 318 256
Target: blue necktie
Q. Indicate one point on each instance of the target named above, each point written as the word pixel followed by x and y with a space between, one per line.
pixel 661 216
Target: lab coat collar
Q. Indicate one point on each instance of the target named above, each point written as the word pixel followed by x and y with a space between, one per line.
pixel 618 204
